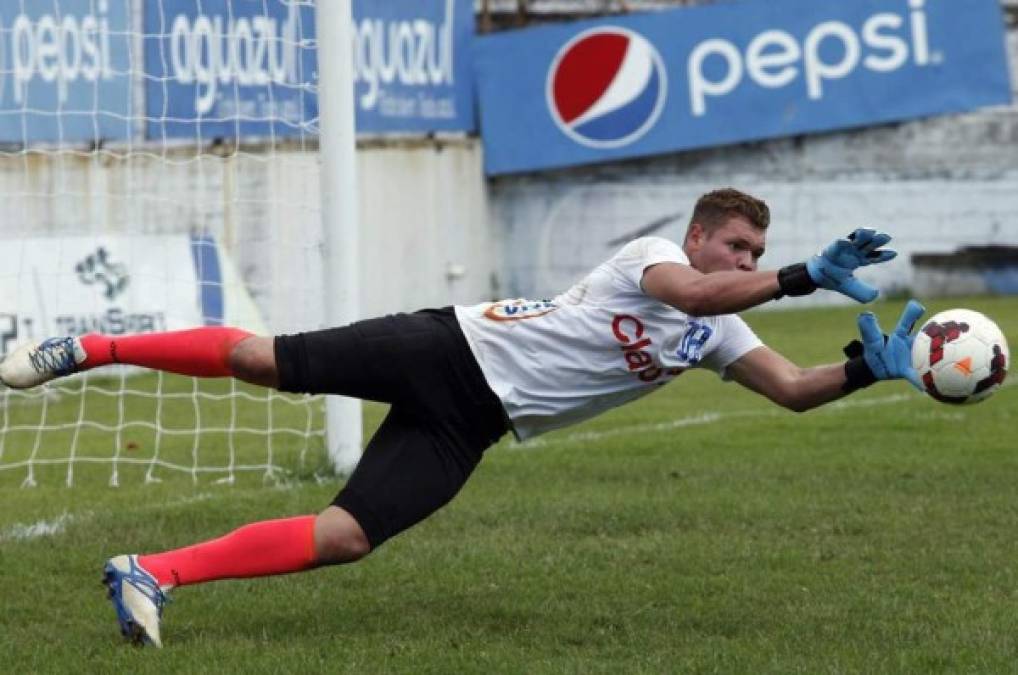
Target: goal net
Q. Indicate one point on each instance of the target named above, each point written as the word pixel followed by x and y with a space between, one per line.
pixel 158 171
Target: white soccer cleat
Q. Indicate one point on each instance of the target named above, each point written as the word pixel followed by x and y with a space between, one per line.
pixel 137 597
pixel 33 364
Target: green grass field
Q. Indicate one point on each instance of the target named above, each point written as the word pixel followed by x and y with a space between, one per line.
pixel 699 530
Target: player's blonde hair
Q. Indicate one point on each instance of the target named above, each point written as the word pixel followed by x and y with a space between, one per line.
pixel 713 209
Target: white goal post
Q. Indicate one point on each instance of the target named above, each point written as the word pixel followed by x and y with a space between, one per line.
pixel 340 215
pixel 160 168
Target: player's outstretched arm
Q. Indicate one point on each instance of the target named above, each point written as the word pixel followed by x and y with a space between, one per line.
pixel 767 372
pixel 699 294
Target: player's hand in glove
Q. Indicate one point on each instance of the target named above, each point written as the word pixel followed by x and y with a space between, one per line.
pixel 891 358
pixel 834 266
pixel 884 357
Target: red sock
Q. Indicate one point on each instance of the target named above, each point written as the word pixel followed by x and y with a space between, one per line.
pixel 202 352
pixel 255 550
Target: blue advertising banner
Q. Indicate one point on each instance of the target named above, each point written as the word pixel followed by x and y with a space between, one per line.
pixel 659 82
pixel 249 67
pixel 227 68
pixel 412 65
pixel 64 71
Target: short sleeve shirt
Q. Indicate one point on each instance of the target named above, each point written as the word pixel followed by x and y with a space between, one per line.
pixel 601 344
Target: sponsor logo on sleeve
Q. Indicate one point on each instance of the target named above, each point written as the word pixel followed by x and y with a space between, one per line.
pixel 516 310
pixel 693 342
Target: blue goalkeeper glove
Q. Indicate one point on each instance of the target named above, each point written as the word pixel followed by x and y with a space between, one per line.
pixel 832 268
pixel 890 357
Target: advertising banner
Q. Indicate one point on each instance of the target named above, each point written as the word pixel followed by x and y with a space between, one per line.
pixel 412 69
pixel 117 285
pixel 64 71
pixel 659 82
pixel 229 68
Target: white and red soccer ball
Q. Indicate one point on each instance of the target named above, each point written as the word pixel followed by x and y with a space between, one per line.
pixel 961 356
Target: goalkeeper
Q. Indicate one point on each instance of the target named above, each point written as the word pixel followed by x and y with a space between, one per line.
pixel 459 378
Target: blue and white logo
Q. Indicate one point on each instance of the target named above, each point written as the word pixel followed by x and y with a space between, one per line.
pixel 695 339
pixel 606 87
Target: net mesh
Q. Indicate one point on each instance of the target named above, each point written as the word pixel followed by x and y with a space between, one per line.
pixel 158 170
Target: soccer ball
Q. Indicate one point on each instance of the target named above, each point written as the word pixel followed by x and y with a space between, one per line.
pixel 961 356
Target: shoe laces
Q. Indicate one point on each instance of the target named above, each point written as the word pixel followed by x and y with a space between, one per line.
pixel 147 584
pixel 55 355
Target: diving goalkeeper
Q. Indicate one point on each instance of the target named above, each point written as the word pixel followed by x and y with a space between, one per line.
pixel 459 378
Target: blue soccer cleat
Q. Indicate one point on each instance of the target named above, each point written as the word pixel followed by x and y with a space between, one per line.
pixel 33 364
pixel 137 597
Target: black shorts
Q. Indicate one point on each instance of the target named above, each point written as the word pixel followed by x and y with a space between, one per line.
pixel 443 417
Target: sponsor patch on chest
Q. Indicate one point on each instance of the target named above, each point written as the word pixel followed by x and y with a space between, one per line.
pixel 635 345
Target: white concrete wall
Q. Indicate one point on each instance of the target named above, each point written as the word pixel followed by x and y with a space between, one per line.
pixel 426 238
pixel 555 234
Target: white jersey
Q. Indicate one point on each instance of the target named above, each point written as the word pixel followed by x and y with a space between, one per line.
pixel 600 344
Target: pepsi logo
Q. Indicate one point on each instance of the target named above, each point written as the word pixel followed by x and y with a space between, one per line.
pixel 606 87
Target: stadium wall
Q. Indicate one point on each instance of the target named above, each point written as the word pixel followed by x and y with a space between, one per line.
pixel 436 232
pixel 428 239
pixel 937 184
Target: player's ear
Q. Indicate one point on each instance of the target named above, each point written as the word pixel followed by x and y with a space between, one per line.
pixel 695 236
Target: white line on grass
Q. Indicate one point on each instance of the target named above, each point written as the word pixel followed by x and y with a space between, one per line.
pixel 58 525
pixel 711 417
pixel 42 528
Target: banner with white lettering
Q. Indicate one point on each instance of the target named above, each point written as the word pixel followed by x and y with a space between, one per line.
pixel 412 65
pixel 117 285
pixel 70 57
pixel 229 68
pixel 692 77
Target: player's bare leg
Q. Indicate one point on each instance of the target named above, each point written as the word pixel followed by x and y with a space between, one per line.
pixel 339 538
pixel 253 360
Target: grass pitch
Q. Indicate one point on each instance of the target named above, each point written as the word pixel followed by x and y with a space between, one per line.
pixel 699 530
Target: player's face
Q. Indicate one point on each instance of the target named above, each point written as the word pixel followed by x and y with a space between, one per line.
pixel 736 245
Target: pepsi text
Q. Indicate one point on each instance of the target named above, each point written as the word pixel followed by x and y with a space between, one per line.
pixel 775 58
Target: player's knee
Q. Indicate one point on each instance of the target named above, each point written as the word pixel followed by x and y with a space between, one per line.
pixel 339 538
pixel 253 360
pixel 345 549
